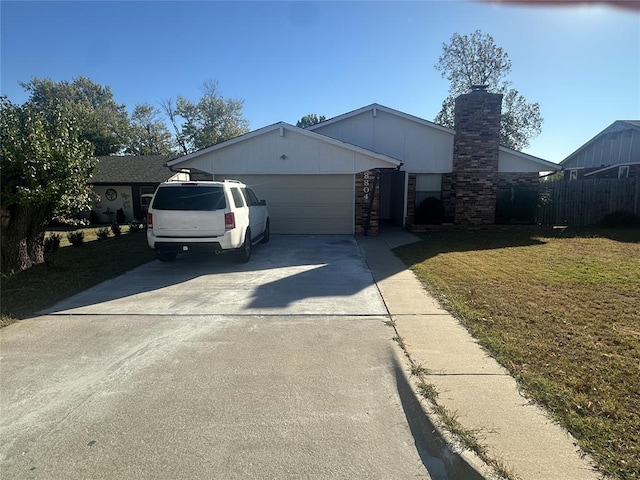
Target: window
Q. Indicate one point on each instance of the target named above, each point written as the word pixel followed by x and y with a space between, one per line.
pixel 190 198
pixel 428 185
pixel 250 197
pixel 145 196
pixel 573 175
pixel 623 171
pixel 237 198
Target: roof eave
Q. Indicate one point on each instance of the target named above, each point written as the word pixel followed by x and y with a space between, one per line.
pixel 593 139
pixel 285 126
pixel 391 111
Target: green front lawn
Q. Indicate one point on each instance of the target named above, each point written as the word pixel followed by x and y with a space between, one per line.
pixel 561 310
pixel 70 270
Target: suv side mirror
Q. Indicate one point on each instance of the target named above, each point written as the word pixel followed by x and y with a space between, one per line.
pixel 263 202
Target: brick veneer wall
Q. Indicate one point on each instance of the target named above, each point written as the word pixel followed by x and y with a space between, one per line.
pixel 367 203
pixel 530 179
pixel 475 157
pixel 447 195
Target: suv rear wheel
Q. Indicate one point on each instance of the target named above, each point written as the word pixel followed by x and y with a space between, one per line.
pixel 265 234
pixel 245 250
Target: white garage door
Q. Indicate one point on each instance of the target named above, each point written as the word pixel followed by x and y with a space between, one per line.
pixel 311 204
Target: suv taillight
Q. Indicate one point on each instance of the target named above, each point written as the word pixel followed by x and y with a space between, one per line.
pixel 149 220
pixel 229 221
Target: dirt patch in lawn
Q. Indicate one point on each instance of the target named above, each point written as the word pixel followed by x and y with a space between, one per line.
pixel 560 309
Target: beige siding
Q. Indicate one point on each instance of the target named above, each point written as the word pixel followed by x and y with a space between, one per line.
pixel 284 152
pixel 421 147
pixel 512 162
pixel 305 204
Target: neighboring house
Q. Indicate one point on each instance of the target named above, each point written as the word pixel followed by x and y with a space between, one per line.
pixel 348 173
pixel 127 183
pixel 613 153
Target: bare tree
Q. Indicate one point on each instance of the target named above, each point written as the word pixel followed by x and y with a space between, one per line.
pixel 475 59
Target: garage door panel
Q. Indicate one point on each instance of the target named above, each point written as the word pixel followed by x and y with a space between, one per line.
pixel 313 204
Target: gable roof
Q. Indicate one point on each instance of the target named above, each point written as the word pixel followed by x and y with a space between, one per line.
pixel 617 126
pixel 284 126
pixel 131 169
pixel 376 106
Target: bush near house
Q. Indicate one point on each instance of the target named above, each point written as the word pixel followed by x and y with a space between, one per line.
pixel 76 238
pixel 559 309
pixel 102 233
pixel 120 216
pixel 52 242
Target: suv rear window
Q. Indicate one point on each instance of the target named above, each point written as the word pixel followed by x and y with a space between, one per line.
pixel 190 198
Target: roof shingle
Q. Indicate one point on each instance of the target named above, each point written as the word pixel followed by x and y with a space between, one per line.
pixel 132 169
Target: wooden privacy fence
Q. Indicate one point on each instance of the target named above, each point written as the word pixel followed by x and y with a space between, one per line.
pixel 586 202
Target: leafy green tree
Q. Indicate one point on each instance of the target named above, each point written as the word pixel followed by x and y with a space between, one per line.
pixel 309 120
pixel 45 166
pixel 210 120
pixel 100 119
pixel 148 135
pixel 475 59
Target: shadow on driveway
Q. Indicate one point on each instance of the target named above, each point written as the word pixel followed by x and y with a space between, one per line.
pixel 292 274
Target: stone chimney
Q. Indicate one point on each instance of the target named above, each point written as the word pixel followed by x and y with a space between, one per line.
pixel 475 156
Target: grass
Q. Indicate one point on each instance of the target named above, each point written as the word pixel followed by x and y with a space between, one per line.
pixel 561 310
pixel 70 270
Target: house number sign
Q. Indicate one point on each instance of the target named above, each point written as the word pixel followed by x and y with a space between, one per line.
pixel 365 185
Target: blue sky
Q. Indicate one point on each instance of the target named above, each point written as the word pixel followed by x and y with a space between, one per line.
pixel 288 59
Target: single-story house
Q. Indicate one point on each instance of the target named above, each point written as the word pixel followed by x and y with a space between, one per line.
pixel 127 183
pixel 612 153
pixel 348 173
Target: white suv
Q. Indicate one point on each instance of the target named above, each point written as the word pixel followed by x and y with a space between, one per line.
pixel 206 216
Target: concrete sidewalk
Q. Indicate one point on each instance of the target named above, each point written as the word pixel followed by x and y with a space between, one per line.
pixel 482 394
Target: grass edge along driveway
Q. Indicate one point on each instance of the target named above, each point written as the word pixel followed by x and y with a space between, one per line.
pixel 69 270
pixel 559 308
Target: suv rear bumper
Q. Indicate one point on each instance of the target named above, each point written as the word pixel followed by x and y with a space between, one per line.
pixel 231 240
pixel 179 247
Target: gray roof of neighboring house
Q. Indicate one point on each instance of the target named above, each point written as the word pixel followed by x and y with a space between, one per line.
pixel 132 169
pixel 617 126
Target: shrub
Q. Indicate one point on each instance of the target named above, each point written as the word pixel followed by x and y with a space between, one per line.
pixel 76 238
pixel 517 205
pixel 52 242
pixel 102 233
pixel 117 231
pixel 430 212
pixel 120 216
pixel 620 219
pixel 135 227
pixel 93 217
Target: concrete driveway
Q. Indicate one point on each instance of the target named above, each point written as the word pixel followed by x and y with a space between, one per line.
pixel 206 368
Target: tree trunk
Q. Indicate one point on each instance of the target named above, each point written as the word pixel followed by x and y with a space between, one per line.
pixel 23 229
